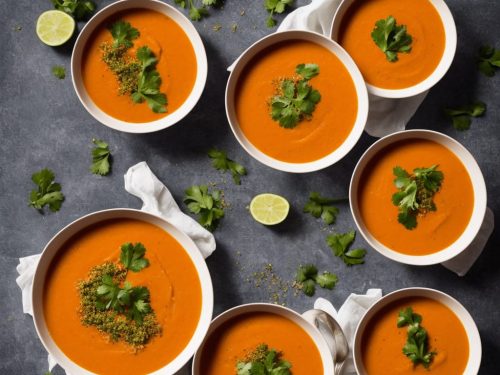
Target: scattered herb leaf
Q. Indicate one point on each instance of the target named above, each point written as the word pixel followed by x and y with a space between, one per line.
pixel 275 6
pixel 391 38
pixel 100 158
pixel 327 280
pixel 207 205
pixel 319 206
pixel 197 11
pixel 461 116
pixel 123 34
pixel 340 244
pixel 132 256
pixel 307 276
pixel 80 10
pixel 48 193
pixel 263 361
pixel 488 61
pixel 221 162
pixel 59 71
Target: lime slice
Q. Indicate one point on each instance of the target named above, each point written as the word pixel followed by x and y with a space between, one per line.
pixel 269 209
pixel 55 27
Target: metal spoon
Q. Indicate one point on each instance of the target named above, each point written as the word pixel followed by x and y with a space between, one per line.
pixel 333 335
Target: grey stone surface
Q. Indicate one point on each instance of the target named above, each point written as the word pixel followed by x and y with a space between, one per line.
pixel 42 124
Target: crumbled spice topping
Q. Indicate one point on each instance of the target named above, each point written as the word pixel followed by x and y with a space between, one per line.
pixel 124 67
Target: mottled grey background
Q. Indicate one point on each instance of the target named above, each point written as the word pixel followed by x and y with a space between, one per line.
pixel 42 124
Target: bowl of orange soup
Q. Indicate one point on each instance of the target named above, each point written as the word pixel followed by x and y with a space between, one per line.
pixel 122 291
pixel 296 101
pixel 139 66
pixel 402 48
pixel 447 338
pixel 247 333
pixel 418 197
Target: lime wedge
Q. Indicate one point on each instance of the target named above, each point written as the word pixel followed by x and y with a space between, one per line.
pixel 55 27
pixel 269 209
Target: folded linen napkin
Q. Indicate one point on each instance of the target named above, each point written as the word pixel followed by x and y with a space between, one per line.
pixel 348 316
pixel 157 199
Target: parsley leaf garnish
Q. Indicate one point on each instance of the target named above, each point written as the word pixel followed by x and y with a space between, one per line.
pixel 416 192
pixel 340 244
pixel 80 10
pixel 488 61
pixel 295 100
pixel 319 206
pixel 148 85
pixel 391 38
pixel 461 116
pixel 307 276
pixel 196 11
pixel 263 361
pixel 221 162
pixel 416 346
pixel 59 71
pixel 123 34
pixel 101 157
pixel 48 193
pixel 132 256
pixel 207 205
pixel 275 6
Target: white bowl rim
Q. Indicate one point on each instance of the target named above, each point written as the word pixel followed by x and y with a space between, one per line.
pixel 76 226
pixel 475 175
pixel 441 69
pixel 171 118
pixel 283 311
pixel 357 78
pixel 475 349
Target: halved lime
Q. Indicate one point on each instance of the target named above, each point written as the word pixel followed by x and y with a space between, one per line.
pixel 269 209
pixel 55 27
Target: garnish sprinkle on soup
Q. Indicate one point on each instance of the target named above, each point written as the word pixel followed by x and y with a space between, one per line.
pixel 391 38
pixel 263 361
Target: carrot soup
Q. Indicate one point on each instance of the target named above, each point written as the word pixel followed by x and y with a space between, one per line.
pixel 235 342
pixel 382 341
pixel 125 82
pixel 382 202
pixel 417 60
pixel 296 101
pixel 162 274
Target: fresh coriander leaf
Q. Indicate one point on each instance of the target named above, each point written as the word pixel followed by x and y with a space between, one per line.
pixel 107 294
pixel 101 157
pixel 307 277
pixel 326 280
pixel 197 11
pixel 488 61
pixel 221 162
pixel 340 244
pixel 207 205
pixel 461 117
pixel 309 287
pixel 132 256
pixel 59 71
pixel 309 271
pixel 48 192
pixel 123 34
pixel 263 361
pixel 307 71
pixel 275 6
pixel 391 38
pixel 319 206
pixel 80 10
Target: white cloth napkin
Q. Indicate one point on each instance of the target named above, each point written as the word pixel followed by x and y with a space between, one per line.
pixel 348 316
pixel 157 200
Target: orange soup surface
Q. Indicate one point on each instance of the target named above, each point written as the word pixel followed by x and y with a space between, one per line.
pixel 436 229
pixel 382 341
pixel 176 65
pixel 238 337
pixel 171 278
pixel 423 24
pixel 332 120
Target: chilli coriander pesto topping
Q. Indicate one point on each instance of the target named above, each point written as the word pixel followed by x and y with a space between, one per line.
pixel 391 38
pixel 416 193
pixel 137 75
pixel 263 361
pixel 416 347
pixel 294 99
pixel 115 307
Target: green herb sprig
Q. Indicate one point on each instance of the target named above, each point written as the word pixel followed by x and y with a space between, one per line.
pixel 263 361
pixel 340 245
pixel 197 11
pixel 59 71
pixel 123 34
pixel 207 205
pixel 488 60
pixel 48 192
pixel 319 206
pixel 391 38
pixel 295 99
pixel 307 276
pixel 415 193
pixel 416 346
pixel 461 116
pixel 101 158
pixel 275 7
pixel 132 256
pixel 80 10
pixel 221 162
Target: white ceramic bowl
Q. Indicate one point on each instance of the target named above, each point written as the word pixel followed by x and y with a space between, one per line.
pixel 301 320
pixel 478 185
pixel 443 66
pixel 356 76
pixel 56 243
pixel 472 366
pixel 171 118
